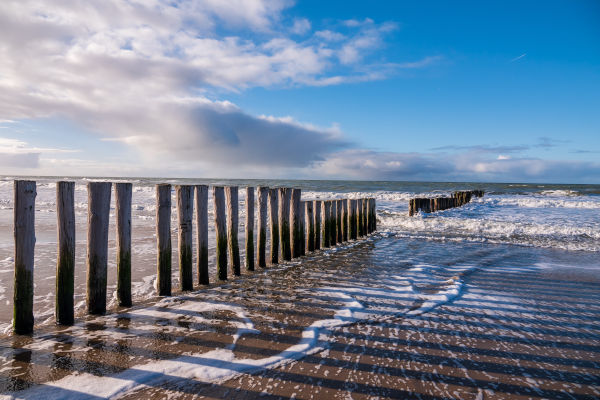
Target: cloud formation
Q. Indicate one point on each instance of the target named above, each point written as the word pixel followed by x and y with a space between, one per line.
pixel 148 75
pixel 462 166
pixel 141 73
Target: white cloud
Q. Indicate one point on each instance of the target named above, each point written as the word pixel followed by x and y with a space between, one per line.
pixel 16 146
pixel 330 36
pixel 518 57
pixel 466 166
pixel 141 74
pixel 16 155
pixel 301 26
pixel 369 39
pixel 19 160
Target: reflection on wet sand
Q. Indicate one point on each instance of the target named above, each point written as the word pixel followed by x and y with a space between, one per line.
pixel 388 318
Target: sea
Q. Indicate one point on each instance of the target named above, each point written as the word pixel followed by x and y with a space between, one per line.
pixel 514 230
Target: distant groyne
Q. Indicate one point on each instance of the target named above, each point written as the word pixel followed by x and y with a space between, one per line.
pixel 429 205
pixel 296 227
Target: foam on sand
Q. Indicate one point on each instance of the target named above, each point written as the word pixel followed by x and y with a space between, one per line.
pixel 222 364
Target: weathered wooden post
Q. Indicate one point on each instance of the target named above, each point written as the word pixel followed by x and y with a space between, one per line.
pixel 296 225
pixel 366 201
pixel 352 219
pixel 338 220
pixel 274 220
pixel 310 225
pixel 24 233
pixel 231 196
pixel 359 217
pixel 123 213
pixel 317 213
pixel 326 231
pixel 249 228
pixel 333 222
pixel 374 213
pixel 220 231
pixel 97 245
pixel 365 212
pixel 371 219
pixel 185 213
pixel 284 223
pixel 65 261
pixel 163 239
pixel 345 219
pixel 261 243
pixel 302 228
pixel 368 215
pixel 202 233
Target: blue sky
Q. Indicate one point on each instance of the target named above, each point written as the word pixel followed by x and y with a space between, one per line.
pixel 487 91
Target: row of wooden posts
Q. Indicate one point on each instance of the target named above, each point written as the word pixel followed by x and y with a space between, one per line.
pixel 296 227
pixel 429 205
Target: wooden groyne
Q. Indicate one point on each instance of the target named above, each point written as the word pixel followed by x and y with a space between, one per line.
pixel 429 205
pixel 296 227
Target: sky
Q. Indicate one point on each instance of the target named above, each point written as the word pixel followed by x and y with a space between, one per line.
pixel 500 91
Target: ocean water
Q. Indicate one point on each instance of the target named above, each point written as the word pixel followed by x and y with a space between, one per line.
pixel 559 218
pixel 518 267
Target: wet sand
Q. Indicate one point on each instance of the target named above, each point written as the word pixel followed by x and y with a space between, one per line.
pixel 513 331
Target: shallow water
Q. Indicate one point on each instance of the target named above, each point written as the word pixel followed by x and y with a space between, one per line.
pixel 505 319
pixel 518 268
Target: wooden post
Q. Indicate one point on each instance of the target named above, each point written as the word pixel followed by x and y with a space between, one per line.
pixel 220 231
pixel 202 233
pixel 249 229
pixel 325 232
pixel 185 214
pixel 284 223
pixel 261 244
pixel 24 233
pixel 359 217
pixel 231 196
pixel 65 261
pixel 310 225
pixel 333 222
pixel 345 219
pixel 317 228
pixel 97 245
pixel 338 220
pixel 163 239
pixel 352 219
pixel 123 213
pixel 371 219
pixel 302 228
pixel 365 212
pixel 374 213
pixel 274 219
pixel 295 230
pixel 369 215
pixel 359 230
pixel 367 221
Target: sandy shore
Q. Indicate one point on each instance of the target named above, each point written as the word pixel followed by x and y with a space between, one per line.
pixel 508 333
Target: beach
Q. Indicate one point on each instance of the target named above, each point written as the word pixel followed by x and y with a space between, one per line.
pixel 495 299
